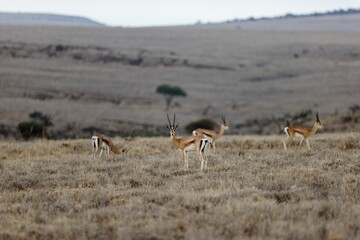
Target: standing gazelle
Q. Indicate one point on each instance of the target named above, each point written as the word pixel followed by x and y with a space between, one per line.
pixel 103 142
pixel 210 133
pixel 302 132
pixel 188 144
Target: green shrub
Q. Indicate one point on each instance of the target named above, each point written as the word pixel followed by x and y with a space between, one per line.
pixel 30 129
pixel 36 127
pixel 202 123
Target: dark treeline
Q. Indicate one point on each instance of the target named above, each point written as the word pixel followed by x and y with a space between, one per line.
pixel 315 14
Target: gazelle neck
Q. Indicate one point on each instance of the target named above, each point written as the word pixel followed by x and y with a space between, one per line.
pixel 174 139
pixel 314 128
pixel 220 132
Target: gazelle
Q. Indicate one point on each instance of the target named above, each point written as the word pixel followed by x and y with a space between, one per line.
pixel 302 132
pixel 212 134
pixel 103 142
pixel 188 144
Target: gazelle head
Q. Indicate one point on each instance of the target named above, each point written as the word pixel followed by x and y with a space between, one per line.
pixel 317 122
pixel 171 127
pixel 223 123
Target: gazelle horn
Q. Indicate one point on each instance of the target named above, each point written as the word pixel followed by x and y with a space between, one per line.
pixel 317 117
pixel 168 120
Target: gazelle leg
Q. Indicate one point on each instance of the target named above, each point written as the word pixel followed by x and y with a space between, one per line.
pixel 201 159
pixel 183 158
pixel 308 144
pixel 301 141
pixel 203 149
pixel 202 164
pixel 94 151
pixel 198 153
pixel 187 160
pixel 206 160
pixel 95 147
pixel 285 142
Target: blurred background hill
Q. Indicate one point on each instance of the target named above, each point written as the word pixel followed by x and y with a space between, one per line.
pixel 45 19
pixel 257 72
pixel 338 21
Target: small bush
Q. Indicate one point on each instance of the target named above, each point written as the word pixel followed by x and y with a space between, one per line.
pixel 29 129
pixel 346 119
pixel 5 130
pixel 202 123
pixel 36 127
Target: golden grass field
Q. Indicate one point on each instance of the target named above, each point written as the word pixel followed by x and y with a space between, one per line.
pixel 252 189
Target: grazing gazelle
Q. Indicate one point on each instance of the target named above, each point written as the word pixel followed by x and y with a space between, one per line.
pixel 103 142
pixel 302 132
pixel 188 144
pixel 212 134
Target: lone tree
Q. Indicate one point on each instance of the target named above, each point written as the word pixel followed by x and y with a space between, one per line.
pixel 36 127
pixel 170 92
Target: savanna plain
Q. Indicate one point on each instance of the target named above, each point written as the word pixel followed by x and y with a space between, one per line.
pixel 251 189
pixel 105 79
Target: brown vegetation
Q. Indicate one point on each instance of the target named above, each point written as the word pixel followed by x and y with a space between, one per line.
pixel 252 189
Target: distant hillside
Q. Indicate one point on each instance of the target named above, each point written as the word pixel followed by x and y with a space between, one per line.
pixel 339 12
pixel 45 19
pixel 338 21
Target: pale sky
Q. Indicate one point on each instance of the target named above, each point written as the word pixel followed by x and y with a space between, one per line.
pixel 130 13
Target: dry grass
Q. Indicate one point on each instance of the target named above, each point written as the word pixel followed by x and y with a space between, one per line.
pixel 252 189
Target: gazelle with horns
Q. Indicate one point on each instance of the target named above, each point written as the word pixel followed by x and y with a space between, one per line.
pixel 103 142
pixel 302 132
pixel 210 133
pixel 188 144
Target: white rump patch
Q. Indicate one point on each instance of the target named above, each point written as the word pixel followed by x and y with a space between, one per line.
pixel 94 140
pixel 286 131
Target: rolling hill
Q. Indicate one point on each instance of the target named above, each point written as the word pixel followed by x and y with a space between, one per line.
pixel 45 19
pixel 105 79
